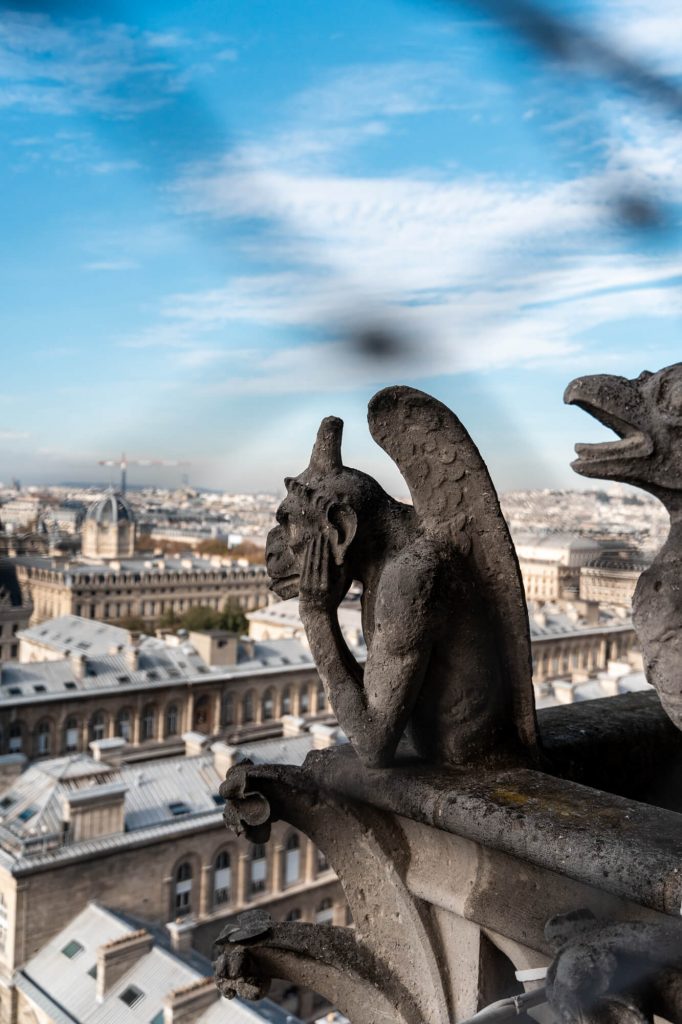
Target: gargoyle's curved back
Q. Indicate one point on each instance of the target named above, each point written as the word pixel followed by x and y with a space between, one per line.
pixel 455 499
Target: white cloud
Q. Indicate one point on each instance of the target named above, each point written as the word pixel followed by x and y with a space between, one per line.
pixel 59 69
pixel 472 273
pixel 478 274
pixel 113 265
pixel 649 32
pixel 14 435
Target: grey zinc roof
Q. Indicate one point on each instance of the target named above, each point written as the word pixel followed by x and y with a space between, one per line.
pixel 281 749
pixel 160 664
pixel 75 634
pixel 287 613
pixel 63 987
pixel 550 622
pixel 143 566
pixel 31 809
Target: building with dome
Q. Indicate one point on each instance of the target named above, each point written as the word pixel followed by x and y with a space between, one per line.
pixel 109 529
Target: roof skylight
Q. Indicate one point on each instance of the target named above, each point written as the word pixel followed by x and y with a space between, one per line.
pixel 72 949
pixel 131 996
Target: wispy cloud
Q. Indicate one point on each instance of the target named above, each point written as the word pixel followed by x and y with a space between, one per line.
pixel 115 166
pixel 111 265
pixel 83 65
pixel 479 272
pixel 13 435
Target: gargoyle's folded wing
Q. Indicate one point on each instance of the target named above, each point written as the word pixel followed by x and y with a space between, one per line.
pixel 455 500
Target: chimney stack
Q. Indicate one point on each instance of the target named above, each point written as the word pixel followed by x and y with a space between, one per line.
pixel 78 665
pixel 132 652
pixel 292 725
pixel 185 1005
pixel 224 756
pixel 115 958
pixel 323 735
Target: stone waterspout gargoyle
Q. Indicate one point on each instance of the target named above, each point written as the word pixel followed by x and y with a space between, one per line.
pixel 443 610
pixel 646 413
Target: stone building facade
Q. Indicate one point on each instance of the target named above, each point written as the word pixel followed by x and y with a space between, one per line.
pixel 611 580
pixel 148 841
pixel 581 653
pixel 551 563
pixel 138 588
pixel 147 695
pixel 15 610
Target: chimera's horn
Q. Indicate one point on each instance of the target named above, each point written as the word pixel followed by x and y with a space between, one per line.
pixel 326 454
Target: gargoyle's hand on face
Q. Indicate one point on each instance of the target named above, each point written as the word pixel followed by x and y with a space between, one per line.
pixel 322 584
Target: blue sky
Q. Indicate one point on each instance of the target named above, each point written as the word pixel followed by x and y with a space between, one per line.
pixel 206 207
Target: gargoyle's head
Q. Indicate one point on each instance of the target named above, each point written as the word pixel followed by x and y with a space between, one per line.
pixel 646 413
pixel 327 501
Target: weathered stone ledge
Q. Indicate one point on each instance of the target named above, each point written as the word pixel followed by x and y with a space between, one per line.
pixel 624 847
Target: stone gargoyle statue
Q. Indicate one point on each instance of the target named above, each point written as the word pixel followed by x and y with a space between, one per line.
pixel 443 609
pixel 646 413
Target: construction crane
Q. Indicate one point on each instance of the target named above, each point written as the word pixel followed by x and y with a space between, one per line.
pixel 124 462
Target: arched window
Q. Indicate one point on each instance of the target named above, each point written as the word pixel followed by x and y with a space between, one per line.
pixel 43 738
pixel 321 862
pixel 202 710
pixel 320 698
pixel 247 707
pixel 16 737
pixel 172 720
pixel 268 706
pixel 304 701
pixel 123 725
pixel 293 915
pixel 222 879
pixel 286 700
pixel 98 725
pixel 148 722
pixel 325 912
pixel 71 735
pixel 227 709
pixel 259 869
pixel 292 860
pixel 183 889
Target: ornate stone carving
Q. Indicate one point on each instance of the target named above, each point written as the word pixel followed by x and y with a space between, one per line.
pixel 646 413
pixel 443 609
pixel 394 945
pixel 614 973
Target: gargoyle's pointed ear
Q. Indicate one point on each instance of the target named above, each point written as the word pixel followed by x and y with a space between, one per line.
pixel 343 525
pixel 326 454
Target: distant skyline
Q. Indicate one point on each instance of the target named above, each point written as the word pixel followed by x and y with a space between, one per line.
pixel 215 214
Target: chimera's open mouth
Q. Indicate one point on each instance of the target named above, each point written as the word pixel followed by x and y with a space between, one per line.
pixel 631 443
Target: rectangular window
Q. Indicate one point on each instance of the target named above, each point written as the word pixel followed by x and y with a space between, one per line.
pixel 223 880
pixel 292 867
pixel 258 874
